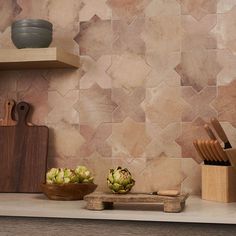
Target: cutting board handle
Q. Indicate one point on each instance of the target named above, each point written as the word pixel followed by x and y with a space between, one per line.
pixel 22 110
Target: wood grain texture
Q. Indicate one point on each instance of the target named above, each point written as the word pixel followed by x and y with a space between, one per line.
pixel 101 201
pixel 37 58
pixel 23 154
pixel 67 192
pixel 8 120
pixel 218 183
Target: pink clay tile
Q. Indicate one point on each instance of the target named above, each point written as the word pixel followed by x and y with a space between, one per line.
pixel 129 138
pixel 128 104
pixel 198 68
pixel 225 103
pixel 95 140
pixel 95 105
pixel 95 37
pixel 8 11
pixel 198 9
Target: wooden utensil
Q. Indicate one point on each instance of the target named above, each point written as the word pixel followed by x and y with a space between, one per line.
pixel 8 120
pixel 220 151
pixel 210 151
pixel 198 150
pixel 221 133
pixel 214 150
pixel 23 155
pixel 209 132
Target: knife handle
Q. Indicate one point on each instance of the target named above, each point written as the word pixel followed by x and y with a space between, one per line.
pixel 198 150
pixel 218 128
pixel 210 132
pixel 221 151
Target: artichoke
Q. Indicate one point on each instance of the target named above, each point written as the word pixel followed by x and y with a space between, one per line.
pixel 83 175
pixel 120 180
pixel 60 176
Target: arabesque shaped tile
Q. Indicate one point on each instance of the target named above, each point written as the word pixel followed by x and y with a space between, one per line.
pixel 63 80
pixel 127 10
pixel 32 78
pixel 225 103
pixel 160 173
pixel 94 7
pixel 192 182
pixel 162 33
pixel 225 30
pixel 163 105
pixel 95 105
pixel 33 9
pixel 198 9
pixel 64 15
pixel 62 107
pixel 127 36
pixel 128 71
pixel 163 140
pixel 65 140
pixel 163 68
pixel 225 5
pixel 129 139
pixel 99 167
pixel 199 103
pixel 94 72
pixel 196 34
pixel 162 8
pixel 198 68
pixel 128 104
pixel 91 37
pixel 95 140
pixel 227 61
pixel 190 132
pixel 32 88
pixel 5 39
pixel 8 11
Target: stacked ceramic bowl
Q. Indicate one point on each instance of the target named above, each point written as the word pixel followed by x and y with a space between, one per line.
pixel 31 33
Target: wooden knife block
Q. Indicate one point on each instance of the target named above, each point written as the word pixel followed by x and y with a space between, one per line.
pixel 218 183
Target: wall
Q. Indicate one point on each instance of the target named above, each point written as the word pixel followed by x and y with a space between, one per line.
pixel 152 73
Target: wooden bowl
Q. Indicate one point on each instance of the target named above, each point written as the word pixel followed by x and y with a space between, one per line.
pixel 67 192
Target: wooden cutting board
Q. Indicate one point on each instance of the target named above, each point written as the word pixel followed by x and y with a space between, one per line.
pixel 7 120
pixel 23 154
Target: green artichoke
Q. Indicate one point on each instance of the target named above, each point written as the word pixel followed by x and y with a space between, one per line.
pixel 83 175
pixel 60 176
pixel 120 180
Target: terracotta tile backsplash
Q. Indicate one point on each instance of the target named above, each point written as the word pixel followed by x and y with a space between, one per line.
pixel 152 73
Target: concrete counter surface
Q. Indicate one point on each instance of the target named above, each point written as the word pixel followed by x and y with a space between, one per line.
pixel 37 205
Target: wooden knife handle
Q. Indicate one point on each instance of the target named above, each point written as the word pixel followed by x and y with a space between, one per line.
pixel 210 132
pixel 210 151
pixel 220 151
pixel 214 150
pixel 198 150
pixel 171 193
pixel 202 149
pixel 22 110
pixel 218 128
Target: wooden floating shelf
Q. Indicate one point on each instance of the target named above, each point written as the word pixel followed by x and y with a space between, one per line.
pixel 37 58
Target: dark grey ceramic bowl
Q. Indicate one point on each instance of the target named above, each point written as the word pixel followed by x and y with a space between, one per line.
pixel 32 23
pixel 31 40
pixel 42 31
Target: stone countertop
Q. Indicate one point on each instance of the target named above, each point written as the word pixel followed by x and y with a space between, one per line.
pixel 37 205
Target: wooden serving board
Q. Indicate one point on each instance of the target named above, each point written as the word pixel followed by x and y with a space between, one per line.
pixel 100 201
pixel 7 120
pixel 23 154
